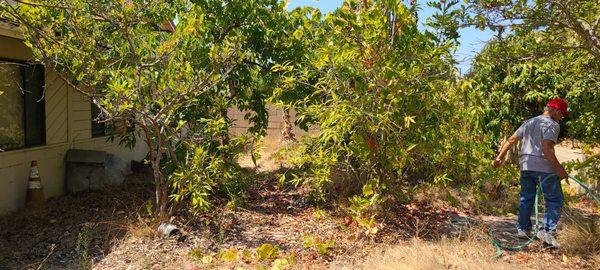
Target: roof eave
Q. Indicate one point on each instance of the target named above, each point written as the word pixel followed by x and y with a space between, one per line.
pixel 10 30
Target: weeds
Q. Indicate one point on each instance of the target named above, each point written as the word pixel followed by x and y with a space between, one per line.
pixel 267 252
pixel 149 208
pixel 230 255
pixel 322 247
pixel 82 246
pixel 364 208
pixel 265 255
pixel 196 253
pixel 320 214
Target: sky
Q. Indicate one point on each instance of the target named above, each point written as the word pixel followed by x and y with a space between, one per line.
pixel 472 40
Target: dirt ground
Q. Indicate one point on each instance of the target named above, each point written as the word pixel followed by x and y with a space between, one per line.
pixel 275 229
pixel 118 234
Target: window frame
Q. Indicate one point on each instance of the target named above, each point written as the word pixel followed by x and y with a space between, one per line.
pixel 23 65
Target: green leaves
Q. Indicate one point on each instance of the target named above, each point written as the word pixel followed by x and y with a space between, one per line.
pixel 172 79
pixel 267 252
pixel 383 94
pixel 375 91
pixel 320 246
pixel 408 120
pixel 517 80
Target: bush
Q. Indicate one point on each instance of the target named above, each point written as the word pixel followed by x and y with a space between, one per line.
pixel 390 111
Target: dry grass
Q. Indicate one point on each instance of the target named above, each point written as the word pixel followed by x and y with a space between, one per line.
pixel 596 259
pixel 471 249
pixel 580 234
pixel 444 254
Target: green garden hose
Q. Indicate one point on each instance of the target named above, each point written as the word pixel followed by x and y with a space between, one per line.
pixel 499 246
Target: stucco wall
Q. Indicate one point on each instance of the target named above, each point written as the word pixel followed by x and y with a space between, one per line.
pixel 68 126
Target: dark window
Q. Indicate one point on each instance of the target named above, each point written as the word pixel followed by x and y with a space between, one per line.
pixel 22 105
pixel 35 111
pixel 98 128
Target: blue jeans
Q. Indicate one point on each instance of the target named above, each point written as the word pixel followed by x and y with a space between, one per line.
pixel 552 195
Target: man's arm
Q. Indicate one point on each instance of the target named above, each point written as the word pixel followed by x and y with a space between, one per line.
pixel 509 144
pixel 548 150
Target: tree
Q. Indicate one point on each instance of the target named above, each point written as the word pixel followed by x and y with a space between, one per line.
pixel 567 25
pixel 544 48
pixel 518 82
pixel 377 90
pixel 171 67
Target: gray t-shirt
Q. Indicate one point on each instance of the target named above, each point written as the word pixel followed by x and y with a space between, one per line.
pixel 533 131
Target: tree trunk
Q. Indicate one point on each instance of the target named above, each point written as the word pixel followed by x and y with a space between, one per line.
pixel 161 191
pixel 287 133
pixel 161 188
pixel 225 137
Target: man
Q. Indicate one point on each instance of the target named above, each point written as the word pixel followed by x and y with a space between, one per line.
pixel 537 161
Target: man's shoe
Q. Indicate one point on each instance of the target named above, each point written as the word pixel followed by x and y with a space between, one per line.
pixel 551 240
pixel 522 233
pixel 541 235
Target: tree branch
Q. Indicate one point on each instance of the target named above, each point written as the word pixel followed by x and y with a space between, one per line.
pixel 37 4
pixel 228 29
pixel 581 28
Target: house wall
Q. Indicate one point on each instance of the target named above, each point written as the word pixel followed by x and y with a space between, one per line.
pixel 68 126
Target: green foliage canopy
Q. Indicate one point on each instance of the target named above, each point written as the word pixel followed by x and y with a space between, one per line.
pixel 384 97
pixel 175 82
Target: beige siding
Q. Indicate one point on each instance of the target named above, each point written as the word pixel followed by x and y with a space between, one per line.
pixel 15 171
pixel 68 126
pixel 56 109
pixel 81 117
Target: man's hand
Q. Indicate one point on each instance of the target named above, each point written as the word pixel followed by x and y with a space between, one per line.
pixel 562 174
pixel 497 163
pixel 548 150
pixel 504 149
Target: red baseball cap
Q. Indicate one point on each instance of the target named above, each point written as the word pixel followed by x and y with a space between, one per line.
pixel 559 104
